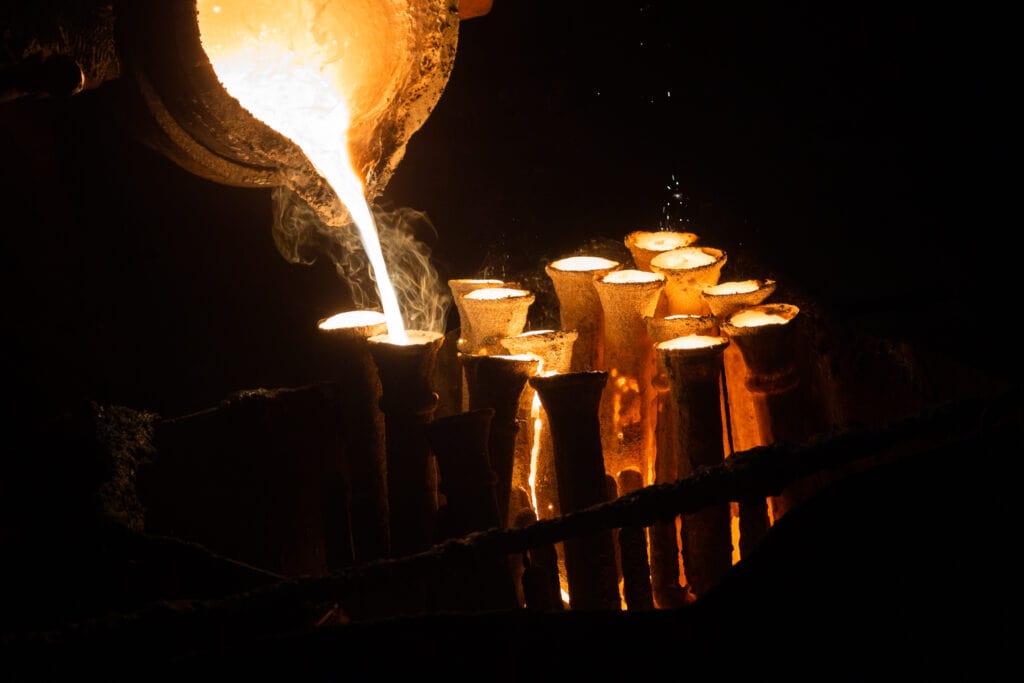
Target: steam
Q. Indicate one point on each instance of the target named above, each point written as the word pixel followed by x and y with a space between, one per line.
pixel 302 237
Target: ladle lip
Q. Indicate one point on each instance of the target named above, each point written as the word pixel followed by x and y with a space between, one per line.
pixel 194 120
pixel 190 118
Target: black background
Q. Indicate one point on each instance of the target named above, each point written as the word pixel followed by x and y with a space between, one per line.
pixel 857 154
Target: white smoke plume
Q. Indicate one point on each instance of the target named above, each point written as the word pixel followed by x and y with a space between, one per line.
pixel 302 237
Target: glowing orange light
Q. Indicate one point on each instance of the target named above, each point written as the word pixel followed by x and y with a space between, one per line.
pixel 408 338
pixel 684 258
pixel 753 317
pixel 735 287
pixel 350 319
pixel 630 275
pixel 661 240
pixel 538 428
pixel 583 263
pixel 287 69
pixel 495 293
pixel 692 341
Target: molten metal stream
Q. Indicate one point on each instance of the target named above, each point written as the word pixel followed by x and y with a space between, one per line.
pixel 283 75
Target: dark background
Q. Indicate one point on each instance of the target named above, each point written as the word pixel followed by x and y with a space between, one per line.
pixel 857 154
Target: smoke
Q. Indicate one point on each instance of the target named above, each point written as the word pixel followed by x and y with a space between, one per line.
pixel 302 237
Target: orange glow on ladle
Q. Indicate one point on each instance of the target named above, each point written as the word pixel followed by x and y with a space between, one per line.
pixel 281 73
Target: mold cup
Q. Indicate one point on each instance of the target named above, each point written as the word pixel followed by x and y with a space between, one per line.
pixel 494 313
pixel 689 271
pixel 725 298
pixel 579 306
pixel 644 245
pixel 629 404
